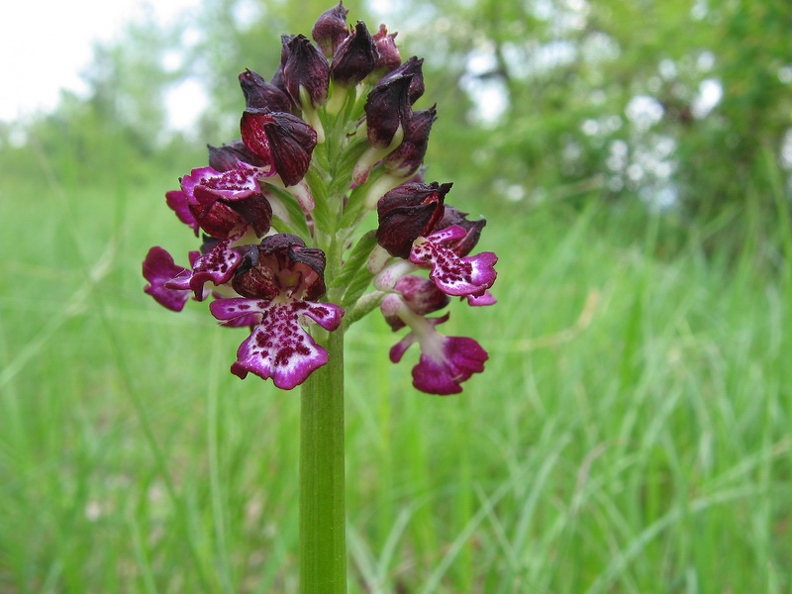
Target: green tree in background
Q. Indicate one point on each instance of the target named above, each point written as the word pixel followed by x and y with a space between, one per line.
pixel 571 72
pixel 120 126
pixel 672 103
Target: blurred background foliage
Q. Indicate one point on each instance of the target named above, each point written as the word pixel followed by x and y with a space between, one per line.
pixel 679 105
pixel 644 447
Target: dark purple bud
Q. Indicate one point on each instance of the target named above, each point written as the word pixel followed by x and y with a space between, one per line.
pixel 304 67
pixel 408 156
pixel 261 94
pixel 253 280
pixel 331 29
pixel 414 68
pixel 277 80
pixel 387 108
pixel 222 158
pixel 453 217
pixel 217 218
pixel 421 295
pixel 285 51
pixel 389 58
pixel 281 266
pixel 222 219
pixel 225 158
pixel 355 58
pixel 407 212
pixel 256 211
pixel 285 138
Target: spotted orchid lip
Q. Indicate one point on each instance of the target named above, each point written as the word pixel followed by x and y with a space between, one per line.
pixel 260 94
pixel 454 275
pixel 279 347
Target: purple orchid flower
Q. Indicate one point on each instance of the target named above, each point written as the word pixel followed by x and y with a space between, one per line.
pixel 270 212
pixel 280 280
pixel 445 361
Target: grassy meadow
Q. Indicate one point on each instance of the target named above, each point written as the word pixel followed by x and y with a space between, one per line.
pixel 632 432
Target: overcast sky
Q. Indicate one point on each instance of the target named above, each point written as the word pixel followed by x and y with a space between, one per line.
pixel 45 44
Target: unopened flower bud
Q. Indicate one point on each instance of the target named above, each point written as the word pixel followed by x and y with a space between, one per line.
pixel 407 158
pixel 285 138
pixel 261 94
pixel 387 108
pixel 408 212
pixel 389 58
pixel 304 67
pixel 331 29
pixel 414 69
pixel 355 58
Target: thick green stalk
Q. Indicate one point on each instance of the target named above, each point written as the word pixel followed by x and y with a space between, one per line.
pixel 322 516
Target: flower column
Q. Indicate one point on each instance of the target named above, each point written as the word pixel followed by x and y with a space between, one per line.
pixel 331 137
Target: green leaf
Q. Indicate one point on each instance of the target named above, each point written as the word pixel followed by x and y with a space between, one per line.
pixel 355 208
pixel 322 211
pixel 356 262
pixel 346 163
pixel 359 284
pixel 362 307
pixel 297 223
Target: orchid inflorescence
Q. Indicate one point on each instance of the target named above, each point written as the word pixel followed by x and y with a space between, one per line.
pixel 330 137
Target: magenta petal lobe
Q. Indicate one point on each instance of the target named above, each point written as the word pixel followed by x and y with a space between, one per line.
pixel 159 269
pixel 177 201
pixel 327 315
pixel 442 371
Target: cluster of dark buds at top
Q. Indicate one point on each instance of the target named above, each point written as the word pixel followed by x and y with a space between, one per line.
pixel 329 138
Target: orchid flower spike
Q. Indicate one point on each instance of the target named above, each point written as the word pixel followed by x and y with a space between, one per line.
pixel 332 137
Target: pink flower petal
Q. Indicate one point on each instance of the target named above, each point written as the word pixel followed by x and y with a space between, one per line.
pixel 234 184
pixel 441 371
pixel 159 269
pixel 177 201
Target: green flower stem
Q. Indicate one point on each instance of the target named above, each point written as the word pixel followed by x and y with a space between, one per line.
pixel 322 516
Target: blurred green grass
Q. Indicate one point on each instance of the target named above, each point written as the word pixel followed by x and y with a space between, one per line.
pixel 631 432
